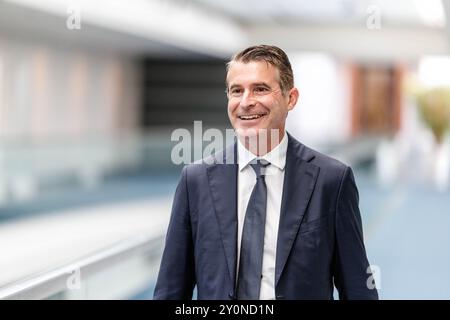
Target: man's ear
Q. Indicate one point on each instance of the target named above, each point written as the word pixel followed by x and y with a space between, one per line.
pixel 293 98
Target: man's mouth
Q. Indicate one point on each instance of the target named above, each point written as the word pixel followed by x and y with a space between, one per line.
pixel 251 116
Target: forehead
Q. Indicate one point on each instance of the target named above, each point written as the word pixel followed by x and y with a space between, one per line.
pixel 241 73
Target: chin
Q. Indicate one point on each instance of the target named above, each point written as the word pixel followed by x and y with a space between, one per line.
pixel 248 131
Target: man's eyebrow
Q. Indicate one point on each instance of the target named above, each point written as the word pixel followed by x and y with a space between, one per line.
pixel 234 86
pixel 256 84
pixel 261 84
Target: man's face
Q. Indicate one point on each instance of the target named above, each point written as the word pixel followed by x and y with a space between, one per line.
pixel 255 99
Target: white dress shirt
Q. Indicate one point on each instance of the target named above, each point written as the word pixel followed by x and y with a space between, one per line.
pixel 274 176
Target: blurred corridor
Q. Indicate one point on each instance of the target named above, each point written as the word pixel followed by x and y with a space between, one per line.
pixel 90 95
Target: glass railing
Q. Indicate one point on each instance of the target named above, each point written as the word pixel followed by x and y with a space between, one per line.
pixel 125 270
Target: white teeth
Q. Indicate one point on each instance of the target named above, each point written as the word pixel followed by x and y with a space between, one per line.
pixel 251 117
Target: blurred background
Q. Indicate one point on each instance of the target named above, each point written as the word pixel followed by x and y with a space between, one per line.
pixel 91 91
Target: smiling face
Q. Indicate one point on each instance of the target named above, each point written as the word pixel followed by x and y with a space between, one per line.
pixel 255 99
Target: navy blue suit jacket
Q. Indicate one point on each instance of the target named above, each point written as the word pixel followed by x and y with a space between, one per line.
pixel 320 237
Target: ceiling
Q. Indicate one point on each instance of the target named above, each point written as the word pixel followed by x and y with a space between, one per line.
pixel 410 12
pixel 216 28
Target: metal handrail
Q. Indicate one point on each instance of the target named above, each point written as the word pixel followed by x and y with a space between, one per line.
pixel 45 284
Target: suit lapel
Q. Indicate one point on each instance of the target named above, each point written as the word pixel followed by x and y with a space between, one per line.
pixel 299 180
pixel 222 179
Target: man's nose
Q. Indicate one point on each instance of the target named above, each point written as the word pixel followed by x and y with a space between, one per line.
pixel 247 100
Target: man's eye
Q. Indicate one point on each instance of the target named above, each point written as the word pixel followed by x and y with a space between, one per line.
pixel 260 89
pixel 236 91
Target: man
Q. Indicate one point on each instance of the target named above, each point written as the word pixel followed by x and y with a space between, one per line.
pixel 281 223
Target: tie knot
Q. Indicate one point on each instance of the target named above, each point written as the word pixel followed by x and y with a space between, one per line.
pixel 259 167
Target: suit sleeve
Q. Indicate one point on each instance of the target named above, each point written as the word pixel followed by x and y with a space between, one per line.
pixel 351 265
pixel 176 278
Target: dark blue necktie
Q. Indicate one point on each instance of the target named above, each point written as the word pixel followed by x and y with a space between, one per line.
pixel 252 243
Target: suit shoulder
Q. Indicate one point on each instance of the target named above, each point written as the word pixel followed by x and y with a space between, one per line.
pixel 194 169
pixel 327 163
pixel 219 157
pixel 198 167
pixel 323 161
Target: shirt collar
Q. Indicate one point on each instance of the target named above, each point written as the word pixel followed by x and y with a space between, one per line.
pixel 276 157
